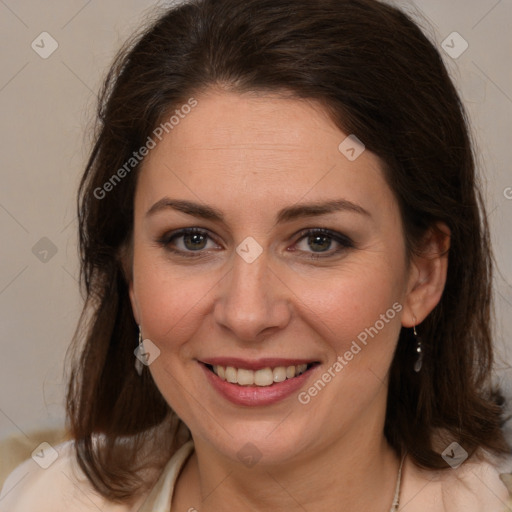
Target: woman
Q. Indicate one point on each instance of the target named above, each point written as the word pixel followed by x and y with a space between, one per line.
pixel 287 270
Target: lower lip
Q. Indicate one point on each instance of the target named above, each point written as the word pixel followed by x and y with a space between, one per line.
pixel 256 395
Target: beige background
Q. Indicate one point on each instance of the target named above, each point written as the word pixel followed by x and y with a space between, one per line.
pixel 47 106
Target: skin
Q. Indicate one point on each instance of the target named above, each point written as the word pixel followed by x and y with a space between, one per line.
pixel 249 156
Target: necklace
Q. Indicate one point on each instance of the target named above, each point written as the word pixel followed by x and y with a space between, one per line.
pixel 396 499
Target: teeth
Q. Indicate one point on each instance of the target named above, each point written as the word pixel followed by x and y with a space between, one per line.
pixel 279 374
pixel 231 374
pixel 263 377
pixel 290 372
pixel 245 377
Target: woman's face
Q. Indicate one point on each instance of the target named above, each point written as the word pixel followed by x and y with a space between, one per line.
pixel 257 286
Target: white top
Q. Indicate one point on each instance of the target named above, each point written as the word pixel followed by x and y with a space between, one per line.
pixel 62 487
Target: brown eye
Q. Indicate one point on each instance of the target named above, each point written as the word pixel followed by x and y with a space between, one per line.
pixel 194 241
pixel 187 241
pixel 318 241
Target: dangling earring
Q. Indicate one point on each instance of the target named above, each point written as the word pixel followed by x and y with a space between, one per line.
pixel 139 350
pixel 419 351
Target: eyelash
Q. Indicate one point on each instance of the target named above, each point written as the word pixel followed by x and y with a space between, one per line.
pixel 343 240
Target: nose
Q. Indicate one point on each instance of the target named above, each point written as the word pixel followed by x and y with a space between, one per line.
pixel 252 302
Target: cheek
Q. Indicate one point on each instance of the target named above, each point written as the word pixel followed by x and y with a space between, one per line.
pixel 169 299
pixel 357 316
pixel 362 303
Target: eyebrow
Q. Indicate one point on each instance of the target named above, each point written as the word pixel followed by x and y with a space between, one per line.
pixel 285 215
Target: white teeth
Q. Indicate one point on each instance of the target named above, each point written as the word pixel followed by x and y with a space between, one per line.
pixel 231 374
pixel 263 377
pixel 290 372
pixel 279 374
pixel 220 371
pixel 246 377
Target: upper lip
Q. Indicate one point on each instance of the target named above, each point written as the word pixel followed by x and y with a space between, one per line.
pixel 255 364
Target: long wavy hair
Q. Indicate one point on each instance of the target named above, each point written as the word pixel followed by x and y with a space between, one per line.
pixel 379 77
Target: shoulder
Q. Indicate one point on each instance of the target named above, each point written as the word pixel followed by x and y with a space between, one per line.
pixel 53 483
pixel 474 486
pixel 477 484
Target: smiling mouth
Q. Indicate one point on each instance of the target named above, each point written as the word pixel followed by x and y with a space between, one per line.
pixel 263 378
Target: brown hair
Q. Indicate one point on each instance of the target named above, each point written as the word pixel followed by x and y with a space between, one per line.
pixel 379 78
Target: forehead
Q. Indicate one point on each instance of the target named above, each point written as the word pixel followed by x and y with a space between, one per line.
pixel 262 147
pixel 224 121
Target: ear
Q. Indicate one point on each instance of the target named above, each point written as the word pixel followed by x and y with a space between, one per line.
pixel 427 275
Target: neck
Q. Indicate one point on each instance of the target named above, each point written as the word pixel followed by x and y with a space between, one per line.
pixel 357 472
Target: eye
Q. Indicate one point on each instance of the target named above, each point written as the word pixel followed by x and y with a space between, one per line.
pixel 320 241
pixel 187 241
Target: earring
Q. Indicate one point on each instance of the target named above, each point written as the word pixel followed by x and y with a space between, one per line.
pixel 419 351
pixel 138 351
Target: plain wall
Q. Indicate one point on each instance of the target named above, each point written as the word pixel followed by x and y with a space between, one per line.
pixel 47 108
